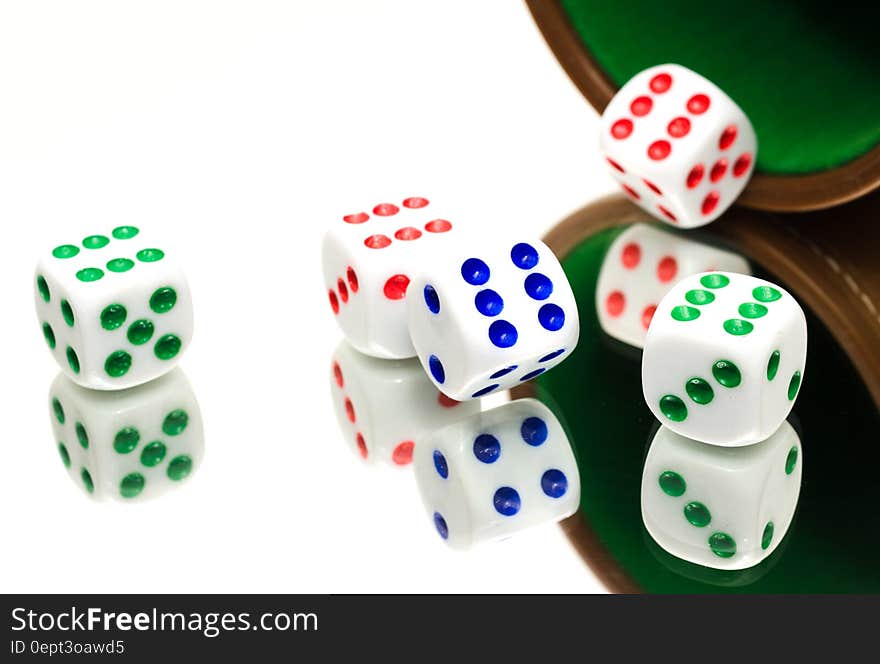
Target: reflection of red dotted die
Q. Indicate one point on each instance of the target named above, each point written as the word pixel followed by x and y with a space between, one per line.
pixel 383 407
pixel 641 266
pixel 368 258
pixel 679 147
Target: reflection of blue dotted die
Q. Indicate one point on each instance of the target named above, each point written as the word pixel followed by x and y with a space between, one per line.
pixel 483 392
pixel 503 372
pixel 503 334
pixel 440 525
pixel 524 256
pixel 538 286
pixel 534 431
pixel 432 300
pixel 437 370
pixel 506 501
pixel 487 448
pixel 553 355
pixel 533 374
pixel 554 483
pixel 551 317
pixel 488 302
pixel 475 272
pixel 440 464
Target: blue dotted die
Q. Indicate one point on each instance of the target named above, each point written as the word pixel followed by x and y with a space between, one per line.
pixel 475 272
pixel 507 501
pixel 432 300
pixel 524 256
pixel 435 366
pixel 440 525
pixel 554 483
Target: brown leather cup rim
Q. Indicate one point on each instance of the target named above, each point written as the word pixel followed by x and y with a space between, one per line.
pixel 780 193
pixel 840 285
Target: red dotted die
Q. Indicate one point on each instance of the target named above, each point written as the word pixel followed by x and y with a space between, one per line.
pixel 415 202
pixel 445 401
pixel 660 83
pixel 343 290
pixel 358 218
pixel 698 104
pixel 666 213
pixel 728 136
pixel 632 254
pixel 653 187
pixel 695 177
pixel 385 210
pixel 403 453
pixel 377 241
pixel 395 287
pixel 438 226
pixel 622 128
pixel 349 410
pixel 679 127
pixel 648 315
pixel 337 375
pixel 659 150
pixel 361 445
pixel 352 277
pixel 615 303
pixel 710 202
pixel 615 165
pixel 408 233
pixel 741 165
pixel 334 302
pixel 718 170
pixel 667 268
pixel 641 106
pixel 632 192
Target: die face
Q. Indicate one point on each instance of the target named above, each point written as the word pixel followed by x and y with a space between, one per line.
pixel 725 508
pixel 496 473
pixel 678 145
pixel 641 266
pixel 368 261
pixel 724 358
pixel 491 316
pixel 130 444
pixel 115 310
pixel 383 407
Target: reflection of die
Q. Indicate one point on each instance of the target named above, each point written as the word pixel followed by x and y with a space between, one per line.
pixel 724 358
pixel 496 473
pixel 487 317
pixel 368 261
pixel 640 267
pixel 115 310
pixel 128 444
pixel 721 507
pixel 384 406
pixel 680 147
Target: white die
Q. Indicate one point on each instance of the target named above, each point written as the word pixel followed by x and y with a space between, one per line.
pixel 496 473
pixel 721 507
pixel 128 444
pixel 724 358
pixel 368 261
pixel 115 310
pixel 679 146
pixel 641 265
pixel 491 315
pixel 384 406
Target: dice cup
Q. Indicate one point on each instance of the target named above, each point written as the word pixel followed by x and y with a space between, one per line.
pixel 803 72
pixel 828 260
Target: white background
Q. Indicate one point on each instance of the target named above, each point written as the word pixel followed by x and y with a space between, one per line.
pixel 240 130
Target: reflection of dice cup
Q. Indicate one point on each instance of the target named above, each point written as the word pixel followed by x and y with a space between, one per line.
pixel 805 78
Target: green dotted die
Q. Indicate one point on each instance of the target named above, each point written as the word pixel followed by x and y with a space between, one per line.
pixel 738 327
pixel 90 274
pixel 752 310
pixel 58 409
pixel 65 251
pixel 167 347
pixel 82 435
pixel 697 514
pixel 791 460
pixel 113 316
pixel 153 454
pixel 86 477
pixel 699 297
pixel 120 265
pixel 767 536
pixel 699 391
pixel 673 408
pixel 150 255
pixel 671 483
pixel 179 467
pixel 175 422
pixel 131 485
pixel 773 365
pixel 72 360
pixel 714 280
pixel 766 294
pixel 685 313
pixel 126 440
pixel 163 300
pixel 43 288
pixel 794 385
pixel 117 364
pixel 49 335
pixel 67 313
pixel 95 241
pixel 726 373
pixel 125 232
pixel 140 332
pixel 65 456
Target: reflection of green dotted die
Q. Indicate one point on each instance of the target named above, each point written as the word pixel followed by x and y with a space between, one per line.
pixel 737 503
pixel 724 358
pixel 127 445
pixel 113 306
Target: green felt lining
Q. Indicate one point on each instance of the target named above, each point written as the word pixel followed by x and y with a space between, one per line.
pixel 833 542
pixel 806 73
